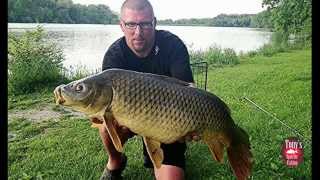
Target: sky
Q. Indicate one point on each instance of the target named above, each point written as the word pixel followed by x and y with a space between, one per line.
pixel 178 9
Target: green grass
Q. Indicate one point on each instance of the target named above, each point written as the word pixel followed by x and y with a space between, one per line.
pixel 280 84
pixel 32 100
pixel 68 148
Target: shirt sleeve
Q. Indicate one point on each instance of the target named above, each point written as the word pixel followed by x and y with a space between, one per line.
pixel 113 58
pixel 180 65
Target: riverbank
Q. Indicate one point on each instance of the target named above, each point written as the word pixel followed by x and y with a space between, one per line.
pixel 62 145
pixel 86 44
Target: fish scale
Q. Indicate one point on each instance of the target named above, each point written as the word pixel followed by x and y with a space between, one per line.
pixel 162 102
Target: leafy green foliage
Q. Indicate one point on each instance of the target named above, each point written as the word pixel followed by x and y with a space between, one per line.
pixel 59 11
pixel 78 71
pixel 269 50
pixel 262 20
pixel 278 43
pixel 215 55
pixel 291 17
pixel 33 62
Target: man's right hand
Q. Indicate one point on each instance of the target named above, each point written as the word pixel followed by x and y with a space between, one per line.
pixel 191 136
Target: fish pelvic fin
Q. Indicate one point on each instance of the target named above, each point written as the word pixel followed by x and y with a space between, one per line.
pixel 215 145
pixel 239 154
pixel 109 123
pixel 154 150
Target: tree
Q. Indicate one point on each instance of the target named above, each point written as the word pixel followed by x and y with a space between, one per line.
pixel 290 17
pixel 58 11
pixel 262 20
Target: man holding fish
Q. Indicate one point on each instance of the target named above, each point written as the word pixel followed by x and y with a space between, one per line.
pixel 145 88
pixel 145 49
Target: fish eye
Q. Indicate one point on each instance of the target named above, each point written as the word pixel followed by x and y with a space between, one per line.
pixel 79 88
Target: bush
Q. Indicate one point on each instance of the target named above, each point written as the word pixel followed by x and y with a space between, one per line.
pixel 33 62
pixel 196 56
pixel 250 53
pixel 216 56
pixel 278 43
pixel 270 50
pixel 301 41
pixel 78 71
pixel 281 42
pixel 230 57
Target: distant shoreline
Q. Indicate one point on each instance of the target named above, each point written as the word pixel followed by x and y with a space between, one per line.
pixel 160 24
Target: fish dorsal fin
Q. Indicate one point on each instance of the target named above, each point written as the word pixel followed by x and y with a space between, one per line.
pixel 110 126
pixel 165 78
pixel 169 79
pixel 154 150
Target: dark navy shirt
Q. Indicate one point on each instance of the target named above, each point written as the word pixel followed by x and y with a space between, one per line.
pixel 169 57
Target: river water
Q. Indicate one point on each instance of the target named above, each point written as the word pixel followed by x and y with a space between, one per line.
pixel 85 44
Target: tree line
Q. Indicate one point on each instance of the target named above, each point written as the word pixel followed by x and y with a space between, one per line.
pixel 65 11
pixel 223 20
pixel 288 17
pixel 59 11
pixel 285 16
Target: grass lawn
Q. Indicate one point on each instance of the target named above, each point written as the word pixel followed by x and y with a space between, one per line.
pixel 66 147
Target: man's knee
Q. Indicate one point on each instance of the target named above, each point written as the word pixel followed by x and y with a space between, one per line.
pixel 169 172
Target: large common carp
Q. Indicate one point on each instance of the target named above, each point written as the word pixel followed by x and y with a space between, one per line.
pixel 160 109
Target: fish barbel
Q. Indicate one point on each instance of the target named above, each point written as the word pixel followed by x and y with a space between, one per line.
pixel 162 110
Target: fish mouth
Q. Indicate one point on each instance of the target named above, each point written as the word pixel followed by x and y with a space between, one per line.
pixel 58 96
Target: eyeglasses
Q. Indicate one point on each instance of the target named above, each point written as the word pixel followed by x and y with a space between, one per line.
pixel 143 25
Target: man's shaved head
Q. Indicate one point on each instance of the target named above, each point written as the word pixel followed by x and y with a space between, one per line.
pixel 137 13
pixel 136 5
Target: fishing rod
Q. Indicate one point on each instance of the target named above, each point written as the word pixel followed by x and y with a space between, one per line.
pixel 274 117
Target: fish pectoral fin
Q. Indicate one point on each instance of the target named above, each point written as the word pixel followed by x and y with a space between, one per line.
pixel 111 128
pixel 154 150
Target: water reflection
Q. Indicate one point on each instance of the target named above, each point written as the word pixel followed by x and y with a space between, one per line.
pixel 85 44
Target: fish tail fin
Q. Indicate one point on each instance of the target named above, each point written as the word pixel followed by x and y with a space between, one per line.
pixel 239 154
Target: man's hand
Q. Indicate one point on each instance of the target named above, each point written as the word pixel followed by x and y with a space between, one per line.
pixel 191 136
pixel 123 131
